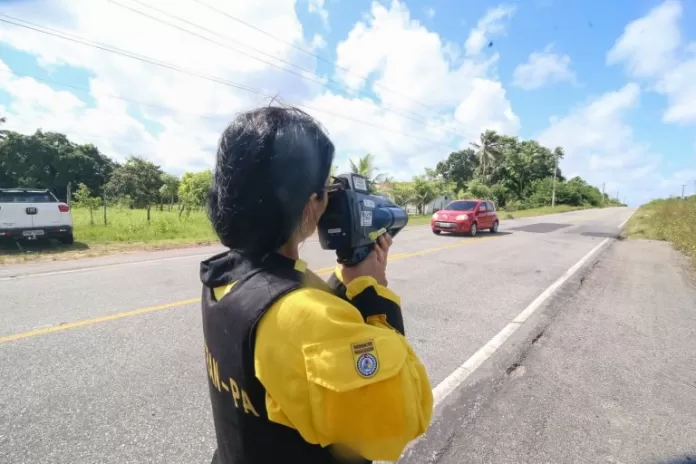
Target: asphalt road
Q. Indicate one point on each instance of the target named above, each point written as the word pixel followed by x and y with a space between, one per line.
pixel 612 380
pixel 101 359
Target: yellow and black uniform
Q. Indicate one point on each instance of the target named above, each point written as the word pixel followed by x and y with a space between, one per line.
pixel 297 374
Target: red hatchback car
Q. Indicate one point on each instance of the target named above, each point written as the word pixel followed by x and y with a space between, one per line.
pixel 466 216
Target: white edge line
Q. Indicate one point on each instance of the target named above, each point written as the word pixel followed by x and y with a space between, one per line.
pixel 452 381
pixel 461 373
pixel 456 378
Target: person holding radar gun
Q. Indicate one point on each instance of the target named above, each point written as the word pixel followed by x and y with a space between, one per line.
pixel 299 369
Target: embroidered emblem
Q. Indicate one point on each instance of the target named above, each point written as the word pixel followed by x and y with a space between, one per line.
pixel 367 365
pixel 365 356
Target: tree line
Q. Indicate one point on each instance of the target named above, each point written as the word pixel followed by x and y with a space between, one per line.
pixel 514 173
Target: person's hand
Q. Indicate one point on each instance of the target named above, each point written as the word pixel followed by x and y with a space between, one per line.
pixel 375 265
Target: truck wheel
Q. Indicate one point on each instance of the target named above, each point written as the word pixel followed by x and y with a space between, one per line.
pixel 68 239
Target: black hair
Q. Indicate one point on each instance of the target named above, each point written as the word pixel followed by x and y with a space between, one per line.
pixel 269 162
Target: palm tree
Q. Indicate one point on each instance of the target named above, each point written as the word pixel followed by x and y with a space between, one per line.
pixel 489 150
pixel 366 168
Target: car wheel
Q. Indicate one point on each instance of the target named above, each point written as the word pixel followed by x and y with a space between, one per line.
pixel 494 229
pixel 474 230
pixel 68 239
pixel 436 232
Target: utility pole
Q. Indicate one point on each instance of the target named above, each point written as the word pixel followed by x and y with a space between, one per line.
pixel 553 190
pixel 603 184
pixel 683 185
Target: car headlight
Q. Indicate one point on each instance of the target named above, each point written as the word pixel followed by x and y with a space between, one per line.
pixel 463 217
pixel 435 216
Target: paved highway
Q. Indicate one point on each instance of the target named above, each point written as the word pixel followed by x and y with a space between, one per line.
pixel 101 359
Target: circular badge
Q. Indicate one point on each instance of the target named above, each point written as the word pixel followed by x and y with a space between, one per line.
pixel 367 364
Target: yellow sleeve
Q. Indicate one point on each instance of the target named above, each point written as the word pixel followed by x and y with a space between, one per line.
pixel 339 380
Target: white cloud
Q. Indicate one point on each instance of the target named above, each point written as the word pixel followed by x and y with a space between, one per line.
pixel 445 107
pixel 543 68
pixel 421 115
pixel 600 146
pixel 648 44
pixel 317 7
pixel 492 24
pixel 652 48
pixel 430 12
pixel 195 109
pixel 318 42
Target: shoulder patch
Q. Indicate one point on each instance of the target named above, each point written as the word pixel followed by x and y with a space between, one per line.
pixel 365 358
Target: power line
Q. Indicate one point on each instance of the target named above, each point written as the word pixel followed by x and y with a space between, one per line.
pixel 107 95
pixel 149 60
pixel 114 96
pixel 316 79
pixel 319 80
pixel 80 134
pixel 224 13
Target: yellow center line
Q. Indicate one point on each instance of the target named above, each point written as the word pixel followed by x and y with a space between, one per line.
pixel 325 271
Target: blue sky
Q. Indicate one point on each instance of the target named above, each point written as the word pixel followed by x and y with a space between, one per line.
pixel 663 154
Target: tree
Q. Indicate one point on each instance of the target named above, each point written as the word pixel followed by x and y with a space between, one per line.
pixel 83 198
pixel 49 160
pixel 424 192
pixel 488 149
pixel 401 193
pixel 194 188
pixel 365 166
pixel 138 178
pixel 429 187
pixel 169 188
pixel 3 132
pixel 459 167
pixel 478 190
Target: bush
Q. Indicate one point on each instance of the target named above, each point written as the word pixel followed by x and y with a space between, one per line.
pixel 673 220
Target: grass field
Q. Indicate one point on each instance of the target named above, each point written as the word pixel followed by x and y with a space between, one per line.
pixel 672 220
pixel 129 231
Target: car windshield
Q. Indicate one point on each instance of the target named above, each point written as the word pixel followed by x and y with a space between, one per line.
pixel 18 196
pixel 461 205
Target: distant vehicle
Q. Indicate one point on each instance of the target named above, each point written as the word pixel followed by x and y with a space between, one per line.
pixel 31 214
pixel 466 216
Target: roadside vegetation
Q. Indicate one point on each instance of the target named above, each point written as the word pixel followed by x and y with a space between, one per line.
pixel 135 205
pixel 672 220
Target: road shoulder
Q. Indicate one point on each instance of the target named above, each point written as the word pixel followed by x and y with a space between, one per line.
pixel 611 380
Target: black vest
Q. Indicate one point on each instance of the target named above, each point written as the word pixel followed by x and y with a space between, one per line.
pixel 229 328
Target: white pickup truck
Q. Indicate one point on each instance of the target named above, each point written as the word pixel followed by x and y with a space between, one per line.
pixel 30 214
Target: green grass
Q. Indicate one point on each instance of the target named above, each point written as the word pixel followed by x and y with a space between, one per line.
pixel 131 226
pixel 672 220
pixel 129 231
